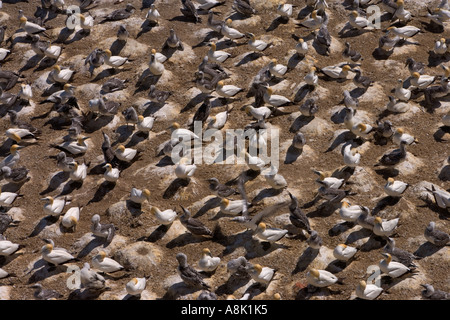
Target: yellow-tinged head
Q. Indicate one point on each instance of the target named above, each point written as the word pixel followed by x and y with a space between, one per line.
pixel 262 225
pixel 301 40
pixel 225 202
pixel 16 137
pixel 416 75
pixel 390 180
pixel 213 118
pixel 154 210
pixel 342 245
pixel 175 125
pixel 362 284
pixel 23 19
pixel 378 220
pixel 14 148
pixel 57 68
pixel 121 148
pixel 391 28
pixel 274 61
pixel 102 254
pixel 248 109
pixel 314 272
pixel 153 51
pixel 80 139
pixel 257 267
pixel 213 46
pixel 140 118
pixel 220 83
pixel 387 257
pixel 68 86
pixel 108 166
pixel 48 199
pixel 346 68
pixel 362 127
pixel 314 14
pixel 108 52
pixel 354 13
pixel 228 22
pixel 442 40
pixel 400 2
pixel 146 192
pixel 345 204
pixel 135 281
pixel 206 251
pixel 73 220
pixel 269 91
pixel 313 69
pixel 277 296
pixel 400 130
pixel 82 17
pixel 47 248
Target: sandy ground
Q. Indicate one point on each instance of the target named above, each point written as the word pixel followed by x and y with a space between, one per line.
pixel 426 161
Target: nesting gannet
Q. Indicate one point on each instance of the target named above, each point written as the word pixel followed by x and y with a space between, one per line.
pixel 351 155
pixel 394 157
pixel 431 293
pixel 401 13
pixel 440 47
pixel 395 188
pixel 21 136
pixel 125 154
pixel 207 262
pixel 215 55
pixel 219 189
pixel 14 175
pixel 90 279
pixel 228 31
pixel 60 75
pixel 145 124
pixel 320 278
pixel 314 241
pixel 285 9
pixel 336 72
pixel 153 14
pixel 343 252
pixel 71 218
pixel 385 228
pixel 311 77
pixel 309 108
pixel 256 44
pixel 259 114
pixel 398 254
pixel 101 262
pixel 232 207
pixel 397 106
pixel 218 120
pixel 190 11
pixel 165 217
pixel 119 14
pixel 188 274
pixel 260 274
pixel 227 91
pixel 330 182
pixel 392 268
pixel 185 170
pixel 349 212
pixel 367 291
pixel 114 61
pixel 404 32
pixel 30 27
pixel 400 135
pixel 276 69
pixel 275 180
pixel 358 22
pixel 78 172
pixel 25 93
pixel 135 286
pixel 53 206
pixel 436 236
pixel 106 231
pixel 441 197
pixel 139 196
pixel 275 100
pixel 55 256
pixel 86 23
pixel 314 21
pixel 253 162
pixel 74 147
pixel 7 247
pixel 421 81
pixel 263 233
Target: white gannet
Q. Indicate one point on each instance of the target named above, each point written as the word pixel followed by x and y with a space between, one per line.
pixel 30 27
pixel 7 247
pixel 75 147
pixel 421 81
pixel 441 197
pixel 253 162
pixel 135 286
pixel 60 75
pixel 261 274
pixel 397 106
pixel 155 64
pixel 311 77
pixel 21 136
pixel 362 130
pixel 343 252
pixel 259 114
pixel 114 61
pixel 275 100
pixel 71 218
pixel 232 207
pixel 401 13
pixel 185 170
pixel 4 53
pixel 227 91
pixel 139 196
pixel 78 172
pixel 86 23
pixel 125 154
pixel 440 47
pixel 165 217
pixel 392 268
pixel 52 51
pixel 285 9
pixel 400 135
pixel 181 133
pixel 328 181
pixel 53 206
pixel 12 159
pixel 271 235
pixel 395 188
pixel 218 120
pixel 404 32
pixel 145 124
pixel 336 72
pixel 215 55
pixel 207 262
pixel 229 31
pixel 275 180
pixel 276 69
pixel 314 22
pixel 55 256
pixel 256 44
pixel 26 92
pixel 98 229
pixel 349 212
pixel 101 262
pixel 358 22
pixel 111 174
pixel 352 157
pixel 367 291
pixel 385 227
pixel 320 278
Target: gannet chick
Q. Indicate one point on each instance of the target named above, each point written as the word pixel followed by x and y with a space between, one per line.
pixel 431 293
pixel 260 274
pixel 314 241
pixel 139 196
pixel 189 275
pixel 414 66
pixel 106 231
pixel 173 41
pixel 269 234
pixel 349 120
pixel 275 180
pixel 53 207
pixel 190 11
pixel 398 254
pixel 135 286
pixel 125 154
pixel 395 188
pixel 111 174
pixel 91 280
pixel 396 106
pixel 238 266
pixel 165 217
pixel 14 175
pixel 215 55
pixel 350 54
pixel 385 228
pixel 352 157
pixel 297 217
pixel 365 219
pixel 101 262
pixel 70 218
pixel 193 225
pixel 367 291
pixel 320 278
pixel 393 158
pixel 343 252
pixel 391 268
pixel 207 295
pixel 436 236
pixel 243 7
pixel 60 75
pixel 207 262
pixel 55 256
pixel 441 197
pixel 253 162
pixel 309 108
pixel 185 170
pixel 45 294
pixel 153 15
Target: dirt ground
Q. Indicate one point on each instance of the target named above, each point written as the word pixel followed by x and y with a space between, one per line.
pixel 289 258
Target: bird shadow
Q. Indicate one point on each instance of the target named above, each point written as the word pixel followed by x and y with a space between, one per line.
pixel 207 39
pixel 249 57
pixel 210 204
pixel 146 79
pixel 45 63
pixel 303 92
pixel 276 23
pixel 436 59
pixel 340 139
pixel 44 271
pixel 42 224
pixel 56 181
pixel 174 186
pixel 117 46
pixel 266 193
pixel 325 209
pixel 199 98
pixel 427 249
pixel 185 239
pixel 300 122
pixel 373 243
pixel 305 12
pixel 340 228
pixel 320 49
pixel 440 133
pixel 31 63
pixel 157 234
pixel 5 147
pixel 164 162
pixel 305 260
pixel 94 124
pixel 64 34
pixel 380 54
pixel 146 26
pixel 94 243
pixel 233 283
pixel 136 138
pixel 103 189
pixel 152 108
pixel 292 154
pixel 124 132
pixel 385 202
pixel 444 174
pixel 70 187
pixel 358 235
pixel 336 266
pixel 432 27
